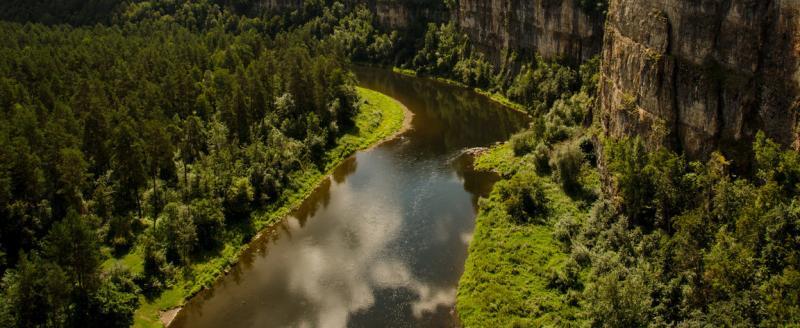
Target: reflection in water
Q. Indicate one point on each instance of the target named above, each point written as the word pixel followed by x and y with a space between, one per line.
pixel 383 242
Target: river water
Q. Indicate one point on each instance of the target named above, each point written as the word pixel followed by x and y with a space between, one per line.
pixel 383 242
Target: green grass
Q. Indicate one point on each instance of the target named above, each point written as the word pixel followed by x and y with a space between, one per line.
pixel 404 71
pixel 380 117
pixel 493 96
pixel 502 100
pixel 505 280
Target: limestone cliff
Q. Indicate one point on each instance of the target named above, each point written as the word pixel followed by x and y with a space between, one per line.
pixel 701 75
pixel 552 29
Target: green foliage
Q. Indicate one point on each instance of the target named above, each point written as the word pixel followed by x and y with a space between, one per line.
pixel 238 199
pixel 114 303
pixel 150 128
pixel 541 85
pixel 517 273
pixel 72 243
pixel 541 158
pixel 731 242
pixel 627 161
pixel 36 293
pixel 209 221
pixel 566 162
pixel 524 142
pixel 177 231
pixel 524 199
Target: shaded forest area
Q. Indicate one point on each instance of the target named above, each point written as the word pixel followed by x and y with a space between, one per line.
pixel 154 134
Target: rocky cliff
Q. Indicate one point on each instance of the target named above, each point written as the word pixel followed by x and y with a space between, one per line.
pixel 701 75
pixel 552 29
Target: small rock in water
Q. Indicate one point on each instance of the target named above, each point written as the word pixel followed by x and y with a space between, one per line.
pixel 476 151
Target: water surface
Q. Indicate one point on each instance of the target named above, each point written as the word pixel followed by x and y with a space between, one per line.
pixel 383 242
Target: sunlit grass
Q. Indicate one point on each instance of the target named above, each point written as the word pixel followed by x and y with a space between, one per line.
pixel 493 96
pixel 505 280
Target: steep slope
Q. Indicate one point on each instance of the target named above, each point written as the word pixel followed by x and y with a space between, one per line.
pixel 552 29
pixel 701 75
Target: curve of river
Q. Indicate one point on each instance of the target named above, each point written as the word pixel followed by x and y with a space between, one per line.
pixel 382 243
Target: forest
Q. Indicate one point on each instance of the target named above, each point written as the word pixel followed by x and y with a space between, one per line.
pixel 160 132
pixel 149 136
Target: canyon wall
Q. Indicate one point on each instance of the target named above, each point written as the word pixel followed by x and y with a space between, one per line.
pixel 552 29
pixel 701 75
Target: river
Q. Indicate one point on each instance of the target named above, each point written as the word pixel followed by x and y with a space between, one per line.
pixel 383 242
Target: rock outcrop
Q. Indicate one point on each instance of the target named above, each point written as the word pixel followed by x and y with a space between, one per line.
pixel 393 14
pixel 701 75
pixel 552 29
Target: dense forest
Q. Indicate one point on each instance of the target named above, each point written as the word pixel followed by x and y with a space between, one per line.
pixel 149 135
pixel 162 128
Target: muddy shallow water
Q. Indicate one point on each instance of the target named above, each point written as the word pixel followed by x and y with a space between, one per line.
pixel 383 242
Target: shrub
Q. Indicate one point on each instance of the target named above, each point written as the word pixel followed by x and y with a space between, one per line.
pixel 541 158
pixel 525 200
pixel 239 199
pixel 210 221
pixel 566 164
pixel 177 231
pixel 523 142
pixel 566 229
pixel 566 277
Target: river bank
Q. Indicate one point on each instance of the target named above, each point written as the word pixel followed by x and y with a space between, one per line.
pixel 380 118
pixel 508 275
pixel 384 241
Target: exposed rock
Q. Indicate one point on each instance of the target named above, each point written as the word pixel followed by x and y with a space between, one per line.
pixel 552 29
pixel 701 75
pixel 393 14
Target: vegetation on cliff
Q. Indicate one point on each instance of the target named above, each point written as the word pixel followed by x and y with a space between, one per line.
pixel 139 155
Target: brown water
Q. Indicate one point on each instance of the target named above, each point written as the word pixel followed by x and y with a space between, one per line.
pixel 382 243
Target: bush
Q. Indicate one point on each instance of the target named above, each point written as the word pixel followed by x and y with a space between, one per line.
pixel 156 266
pixel 566 229
pixel 239 199
pixel 525 200
pixel 177 228
pixel 566 164
pixel 524 142
pixel 566 277
pixel 209 220
pixel 541 158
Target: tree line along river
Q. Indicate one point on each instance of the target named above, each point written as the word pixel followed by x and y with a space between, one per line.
pixel 383 242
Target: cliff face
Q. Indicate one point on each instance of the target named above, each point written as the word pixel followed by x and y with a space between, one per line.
pixel 701 75
pixel 393 14
pixel 552 29
pixel 549 28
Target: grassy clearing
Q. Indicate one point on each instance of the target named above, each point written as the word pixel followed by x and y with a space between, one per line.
pixel 380 117
pixel 505 282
